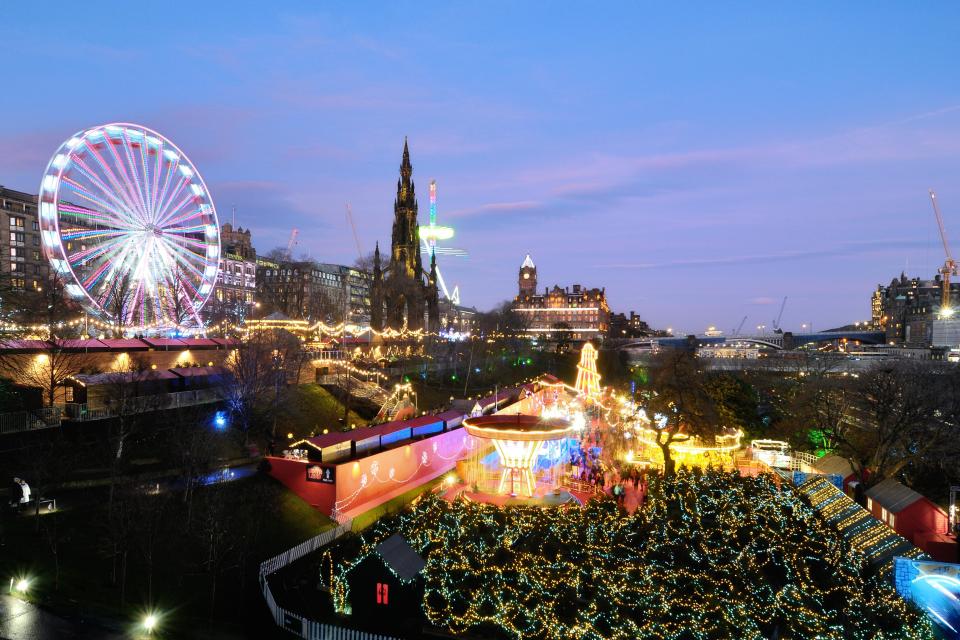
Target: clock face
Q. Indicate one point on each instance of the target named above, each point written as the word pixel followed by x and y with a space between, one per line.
pixel 526 276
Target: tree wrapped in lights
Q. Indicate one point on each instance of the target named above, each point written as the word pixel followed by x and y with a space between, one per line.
pixel 712 555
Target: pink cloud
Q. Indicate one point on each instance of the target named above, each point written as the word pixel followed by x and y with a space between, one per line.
pixel 494 207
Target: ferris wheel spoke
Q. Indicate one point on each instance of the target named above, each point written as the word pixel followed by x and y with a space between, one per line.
pixel 169 209
pixel 182 231
pixel 182 289
pixel 183 256
pixel 116 188
pixel 101 218
pixel 129 178
pixel 173 212
pixel 189 246
pixel 119 202
pixel 185 217
pixel 106 246
pixel 145 184
pixel 116 184
pixel 163 196
pixel 157 170
pixel 137 163
pixel 169 195
pixel 94 277
pixel 129 184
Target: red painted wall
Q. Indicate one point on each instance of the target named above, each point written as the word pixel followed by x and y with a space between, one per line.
pixel 922 515
pixel 293 474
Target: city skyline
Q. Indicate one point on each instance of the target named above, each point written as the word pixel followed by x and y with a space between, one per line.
pixel 793 160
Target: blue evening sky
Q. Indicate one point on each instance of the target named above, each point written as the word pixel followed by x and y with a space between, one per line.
pixel 700 163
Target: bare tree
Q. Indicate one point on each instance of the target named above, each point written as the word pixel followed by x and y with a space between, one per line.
pixel 903 413
pixel 365 262
pixel 180 306
pixel 678 402
pixel 53 363
pixel 214 532
pixel 150 511
pixel 192 443
pixel 118 303
pixel 48 368
pixel 129 394
pixel 251 376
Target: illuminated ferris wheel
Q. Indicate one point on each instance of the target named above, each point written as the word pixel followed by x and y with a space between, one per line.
pixel 129 225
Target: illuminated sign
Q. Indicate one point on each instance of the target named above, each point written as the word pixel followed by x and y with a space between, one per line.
pixel 316 473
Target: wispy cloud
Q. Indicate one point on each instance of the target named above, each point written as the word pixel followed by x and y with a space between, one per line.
pixel 848 249
pixel 494 207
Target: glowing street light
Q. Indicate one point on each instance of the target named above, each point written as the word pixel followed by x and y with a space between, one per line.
pixel 150 622
pixel 20 585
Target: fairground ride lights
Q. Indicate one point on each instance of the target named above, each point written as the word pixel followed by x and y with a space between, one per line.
pixel 725 443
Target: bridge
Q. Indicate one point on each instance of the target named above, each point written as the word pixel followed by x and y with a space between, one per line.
pixel 779 341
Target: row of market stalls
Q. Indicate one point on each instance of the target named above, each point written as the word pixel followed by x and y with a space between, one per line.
pixel 908 513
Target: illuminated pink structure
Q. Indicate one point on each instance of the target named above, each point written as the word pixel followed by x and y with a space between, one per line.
pixel 517 439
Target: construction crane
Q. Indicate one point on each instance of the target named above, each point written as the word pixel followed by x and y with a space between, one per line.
pixel 291 243
pixel 353 227
pixel 949 267
pixel 776 322
pixel 739 326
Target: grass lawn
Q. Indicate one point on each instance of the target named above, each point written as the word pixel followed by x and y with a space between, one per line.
pixel 308 409
pixel 253 519
pixel 393 506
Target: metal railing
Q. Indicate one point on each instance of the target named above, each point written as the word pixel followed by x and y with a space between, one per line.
pixel 19 421
pixel 357 388
pixel 294 622
pixel 83 412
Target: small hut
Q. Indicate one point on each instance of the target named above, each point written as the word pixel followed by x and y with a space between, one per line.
pixel 387 585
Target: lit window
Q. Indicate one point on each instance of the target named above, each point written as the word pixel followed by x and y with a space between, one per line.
pixel 383 593
pixel 869 504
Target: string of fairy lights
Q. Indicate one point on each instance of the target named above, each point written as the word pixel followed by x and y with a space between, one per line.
pixel 876 541
pixel 711 555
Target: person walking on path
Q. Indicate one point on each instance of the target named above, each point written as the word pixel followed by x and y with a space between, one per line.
pixel 16 493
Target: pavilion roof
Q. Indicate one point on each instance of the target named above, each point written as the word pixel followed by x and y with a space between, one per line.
pixel 892 495
pixel 401 557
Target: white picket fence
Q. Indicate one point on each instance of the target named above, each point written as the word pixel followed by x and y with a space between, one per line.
pixel 294 622
pixel 293 554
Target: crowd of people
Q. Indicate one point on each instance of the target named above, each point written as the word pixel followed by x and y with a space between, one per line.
pixel 627 483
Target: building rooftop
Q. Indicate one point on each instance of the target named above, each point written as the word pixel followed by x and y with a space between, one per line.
pixel 835 465
pixel 16 195
pixel 528 263
pixel 892 495
pixel 401 557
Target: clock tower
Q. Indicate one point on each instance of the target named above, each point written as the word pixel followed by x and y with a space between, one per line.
pixel 528 278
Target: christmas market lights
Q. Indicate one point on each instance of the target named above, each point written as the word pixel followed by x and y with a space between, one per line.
pixel 711 555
